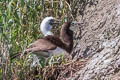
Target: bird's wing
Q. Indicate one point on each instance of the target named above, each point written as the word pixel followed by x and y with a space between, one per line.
pixel 41 45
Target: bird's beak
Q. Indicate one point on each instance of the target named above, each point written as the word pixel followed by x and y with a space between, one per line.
pixel 75 23
pixel 75 26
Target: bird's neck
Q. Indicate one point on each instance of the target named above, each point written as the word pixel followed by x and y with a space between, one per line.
pixel 67 36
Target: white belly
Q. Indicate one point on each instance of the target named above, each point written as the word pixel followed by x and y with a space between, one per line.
pixel 57 51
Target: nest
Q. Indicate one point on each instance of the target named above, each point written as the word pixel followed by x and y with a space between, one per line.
pixel 64 71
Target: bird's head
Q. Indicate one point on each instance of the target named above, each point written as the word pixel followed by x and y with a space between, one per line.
pixel 47 25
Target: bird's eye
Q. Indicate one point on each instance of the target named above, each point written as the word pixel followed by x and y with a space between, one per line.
pixel 51 21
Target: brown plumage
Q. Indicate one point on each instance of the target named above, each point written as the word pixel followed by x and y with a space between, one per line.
pixel 41 45
pixel 67 36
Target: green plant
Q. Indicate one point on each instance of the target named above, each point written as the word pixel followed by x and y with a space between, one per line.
pixel 19 26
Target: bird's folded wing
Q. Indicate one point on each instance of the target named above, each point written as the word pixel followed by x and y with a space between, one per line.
pixel 41 45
